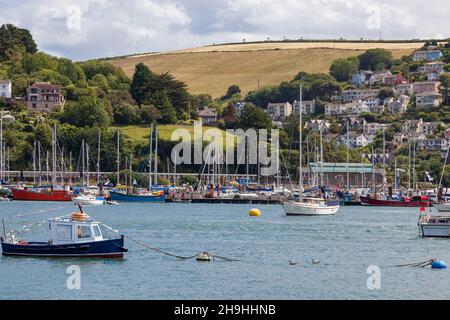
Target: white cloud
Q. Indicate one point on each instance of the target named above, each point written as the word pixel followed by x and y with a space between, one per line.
pixel 118 27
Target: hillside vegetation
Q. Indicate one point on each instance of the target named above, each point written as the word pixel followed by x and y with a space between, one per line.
pixel 213 69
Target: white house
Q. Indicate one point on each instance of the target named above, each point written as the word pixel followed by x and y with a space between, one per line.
pixel 308 107
pixel 317 125
pixel 358 94
pixel 372 128
pixel 355 140
pixel 428 100
pixel 279 111
pixel 404 89
pixel 398 105
pixel 5 89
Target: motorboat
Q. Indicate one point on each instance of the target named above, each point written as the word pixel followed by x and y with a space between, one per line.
pixel 88 200
pixel 442 207
pixel 310 207
pixel 434 225
pixel 75 236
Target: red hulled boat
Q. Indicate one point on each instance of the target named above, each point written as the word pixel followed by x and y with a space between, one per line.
pixel 416 201
pixel 42 194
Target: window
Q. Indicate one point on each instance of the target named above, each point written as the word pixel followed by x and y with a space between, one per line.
pixel 64 232
pixel 97 231
pixel 83 232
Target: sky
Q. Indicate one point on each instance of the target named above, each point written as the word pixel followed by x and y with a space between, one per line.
pixel 87 29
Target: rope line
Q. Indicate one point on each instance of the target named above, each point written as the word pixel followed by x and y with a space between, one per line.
pixel 417 264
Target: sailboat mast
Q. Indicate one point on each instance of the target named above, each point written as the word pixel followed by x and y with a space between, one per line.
pixel 54 156
pixel 39 163
pixel 348 176
pixel 1 149
pixel 83 154
pixel 384 159
pixel 409 167
pixel 300 177
pixel 150 184
pixel 98 156
pixel 118 157
pixel 34 163
pixel 156 156
pixel 87 165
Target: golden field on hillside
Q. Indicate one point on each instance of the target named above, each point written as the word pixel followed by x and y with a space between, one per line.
pixel 213 69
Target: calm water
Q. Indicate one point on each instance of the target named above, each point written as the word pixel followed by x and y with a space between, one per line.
pixel 345 244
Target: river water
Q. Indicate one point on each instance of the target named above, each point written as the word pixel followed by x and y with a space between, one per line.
pixel 346 245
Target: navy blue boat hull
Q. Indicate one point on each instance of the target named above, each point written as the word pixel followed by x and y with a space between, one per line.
pixel 111 248
pixel 121 197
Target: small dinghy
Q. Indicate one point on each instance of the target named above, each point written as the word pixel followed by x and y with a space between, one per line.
pixel 89 200
pixel 76 236
pixel 112 203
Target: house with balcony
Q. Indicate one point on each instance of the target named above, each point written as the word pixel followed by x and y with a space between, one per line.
pixel 373 128
pixel 404 89
pixel 208 117
pixel 308 107
pixel 439 144
pixel 355 123
pixel 428 100
pixel 44 97
pixel 279 111
pixel 355 140
pixel 351 95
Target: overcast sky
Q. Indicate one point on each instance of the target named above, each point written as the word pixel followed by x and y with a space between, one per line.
pixel 85 29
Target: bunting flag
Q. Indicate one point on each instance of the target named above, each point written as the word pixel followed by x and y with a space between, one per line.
pixel 430 178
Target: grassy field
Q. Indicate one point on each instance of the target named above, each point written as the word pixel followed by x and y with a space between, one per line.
pixel 213 69
pixel 142 133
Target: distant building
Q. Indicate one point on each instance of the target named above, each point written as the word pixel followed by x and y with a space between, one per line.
pixel 308 107
pixel 355 123
pixel 397 105
pixel 44 97
pixel 317 125
pixel 373 128
pixel 355 140
pixel 279 111
pixel 358 94
pixel 426 86
pixel 5 89
pixel 394 79
pixel 404 89
pixel 435 66
pixel 208 116
pixel 428 100
pixel 363 78
pixel 439 144
pixel 429 55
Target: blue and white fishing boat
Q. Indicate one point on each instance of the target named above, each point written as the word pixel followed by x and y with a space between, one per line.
pixel 120 196
pixel 75 236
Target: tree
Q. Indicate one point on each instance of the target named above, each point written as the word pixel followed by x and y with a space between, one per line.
pixel 87 112
pixel 125 114
pixel 232 90
pixel 162 103
pixel 375 59
pixel 144 81
pixel 229 116
pixel 15 39
pixel 343 69
pixel 253 117
pixel 149 114
pixel 385 93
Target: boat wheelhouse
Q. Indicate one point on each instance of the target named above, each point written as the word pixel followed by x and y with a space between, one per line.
pixel 76 236
pixel 434 225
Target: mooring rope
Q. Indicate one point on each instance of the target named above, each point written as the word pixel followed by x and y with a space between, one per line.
pixel 417 264
pixel 168 253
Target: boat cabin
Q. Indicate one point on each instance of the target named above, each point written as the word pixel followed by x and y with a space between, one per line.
pixel 76 229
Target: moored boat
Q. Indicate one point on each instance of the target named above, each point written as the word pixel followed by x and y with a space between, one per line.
pixel 76 236
pixel 42 194
pixel 416 201
pixel 434 225
pixel 149 197
pixel 442 207
pixel 89 200
pixel 310 207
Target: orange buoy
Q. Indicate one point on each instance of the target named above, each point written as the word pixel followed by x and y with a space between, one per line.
pixel 79 216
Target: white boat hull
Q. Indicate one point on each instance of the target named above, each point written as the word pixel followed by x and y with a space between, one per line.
pixel 88 202
pixel 305 209
pixel 442 207
pixel 435 230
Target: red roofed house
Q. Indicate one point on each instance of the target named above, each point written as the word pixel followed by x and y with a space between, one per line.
pixel 44 97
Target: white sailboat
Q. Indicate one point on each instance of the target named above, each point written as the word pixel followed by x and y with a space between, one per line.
pixel 307 206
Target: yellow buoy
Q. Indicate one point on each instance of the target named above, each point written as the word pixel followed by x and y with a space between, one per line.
pixel 254 213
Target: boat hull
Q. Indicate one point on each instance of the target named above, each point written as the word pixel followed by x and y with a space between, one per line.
pixel 111 248
pixel 300 209
pixel 120 197
pixel 366 201
pixel 442 207
pixel 88 202
pixel 28 195
pixel 435 230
